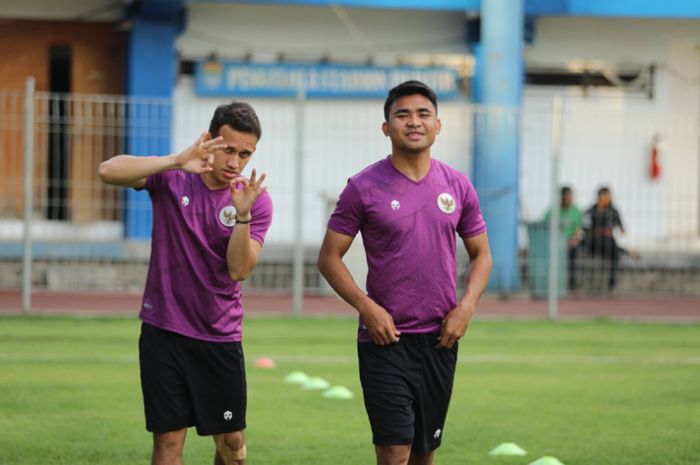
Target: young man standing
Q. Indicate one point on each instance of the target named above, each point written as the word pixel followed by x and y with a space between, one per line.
pixel 209 224
pixel 600 222
pixel 409 209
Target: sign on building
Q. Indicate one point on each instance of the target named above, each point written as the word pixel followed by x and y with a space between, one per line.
pixel 217 79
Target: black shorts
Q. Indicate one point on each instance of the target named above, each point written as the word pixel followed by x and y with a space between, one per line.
pixel 407 388
pixel 187 382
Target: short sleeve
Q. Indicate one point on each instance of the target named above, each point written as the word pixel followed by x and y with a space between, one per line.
pixel 154 182
pixel 261 218
pixel 471 222
pixel 349 214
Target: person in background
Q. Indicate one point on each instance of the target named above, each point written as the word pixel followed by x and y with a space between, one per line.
pixel 570 220
pixel 601 221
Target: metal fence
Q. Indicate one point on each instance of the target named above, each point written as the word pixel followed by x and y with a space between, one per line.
pixel 78 239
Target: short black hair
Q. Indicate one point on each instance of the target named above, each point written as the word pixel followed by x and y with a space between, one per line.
pixel 240 116
pixel 565 190
pixel 603 190
pixel 408 88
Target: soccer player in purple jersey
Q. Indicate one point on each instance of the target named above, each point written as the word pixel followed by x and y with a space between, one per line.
pixel 409 208
pixel 209 224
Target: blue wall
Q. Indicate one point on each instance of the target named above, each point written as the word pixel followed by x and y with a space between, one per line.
pixel 680 9
pixel 151 76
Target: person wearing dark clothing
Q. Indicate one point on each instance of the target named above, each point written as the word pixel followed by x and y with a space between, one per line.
pixel 600 222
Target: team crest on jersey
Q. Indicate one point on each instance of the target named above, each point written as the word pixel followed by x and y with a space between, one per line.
pixel 395 205
pixel 227 216
pixel 446 203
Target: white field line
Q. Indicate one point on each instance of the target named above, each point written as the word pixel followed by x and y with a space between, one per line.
pixel 347 360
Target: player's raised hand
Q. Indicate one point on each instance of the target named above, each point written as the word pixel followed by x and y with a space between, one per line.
pixel 244 192
pixel 199 157
pixel 379 324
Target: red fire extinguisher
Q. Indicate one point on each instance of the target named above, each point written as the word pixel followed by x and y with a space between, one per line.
pixel 655 165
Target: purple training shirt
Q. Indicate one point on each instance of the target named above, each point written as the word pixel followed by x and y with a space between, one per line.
pixel 408 229
pixel 189 290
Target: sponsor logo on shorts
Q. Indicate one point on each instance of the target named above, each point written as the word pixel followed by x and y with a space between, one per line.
pixel 437 434
pixel 395 205
pixel 446 203
pixel 227 216
pixel 185 201
pixel 228 415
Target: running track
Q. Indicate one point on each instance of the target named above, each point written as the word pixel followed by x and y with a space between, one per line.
pixel 670 309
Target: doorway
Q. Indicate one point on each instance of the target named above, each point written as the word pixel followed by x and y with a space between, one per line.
pixel 59 126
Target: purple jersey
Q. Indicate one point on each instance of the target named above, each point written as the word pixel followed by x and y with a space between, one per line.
pixel 188 289
pixel 408 230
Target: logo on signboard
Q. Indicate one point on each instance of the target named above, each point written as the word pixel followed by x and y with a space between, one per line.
pixel 212 74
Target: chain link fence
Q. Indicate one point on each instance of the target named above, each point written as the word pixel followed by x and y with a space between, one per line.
pixel 80 228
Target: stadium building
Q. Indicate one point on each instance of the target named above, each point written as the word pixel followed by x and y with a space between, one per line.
pixel 533 95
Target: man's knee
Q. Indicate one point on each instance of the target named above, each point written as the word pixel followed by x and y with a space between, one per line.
pixel 169 444
pixel 393 455
pixel 421 459
pixel 231 447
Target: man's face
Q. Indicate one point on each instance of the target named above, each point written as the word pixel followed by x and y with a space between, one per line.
pixel 567 199
pixel 413 124
pixel 230 161
pixel 604 199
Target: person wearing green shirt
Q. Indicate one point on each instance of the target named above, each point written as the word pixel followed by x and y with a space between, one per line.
pixel 570 220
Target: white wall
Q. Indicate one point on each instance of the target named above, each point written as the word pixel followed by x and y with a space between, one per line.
pixel 65 10
pixel 607 134
pixel 309 33
pixel 606 141
pixel 341 137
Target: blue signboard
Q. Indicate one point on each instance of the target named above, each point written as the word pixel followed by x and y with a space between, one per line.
pixel 217 79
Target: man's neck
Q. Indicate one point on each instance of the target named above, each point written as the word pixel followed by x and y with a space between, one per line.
pixel 211 182
pixel 413 166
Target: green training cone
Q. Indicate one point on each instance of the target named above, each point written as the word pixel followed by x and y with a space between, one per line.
pixel 508 448
pixel 315 383
pixel 338 392
pixel 298 377
pixel 547 460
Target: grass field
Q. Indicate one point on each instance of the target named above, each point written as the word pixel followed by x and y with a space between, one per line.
pixel 592 392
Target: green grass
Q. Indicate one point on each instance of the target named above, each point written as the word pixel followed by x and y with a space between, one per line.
pixel 592 392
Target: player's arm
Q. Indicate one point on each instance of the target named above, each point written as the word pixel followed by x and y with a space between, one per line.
pixel 455 324
pixel 330 263
pixel 242 252
pixel 132 171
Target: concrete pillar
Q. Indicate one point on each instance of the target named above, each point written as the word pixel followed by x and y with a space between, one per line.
pixel 498 88
pixel 151 72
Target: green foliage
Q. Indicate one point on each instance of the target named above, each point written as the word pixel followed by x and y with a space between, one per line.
pixel 585 392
